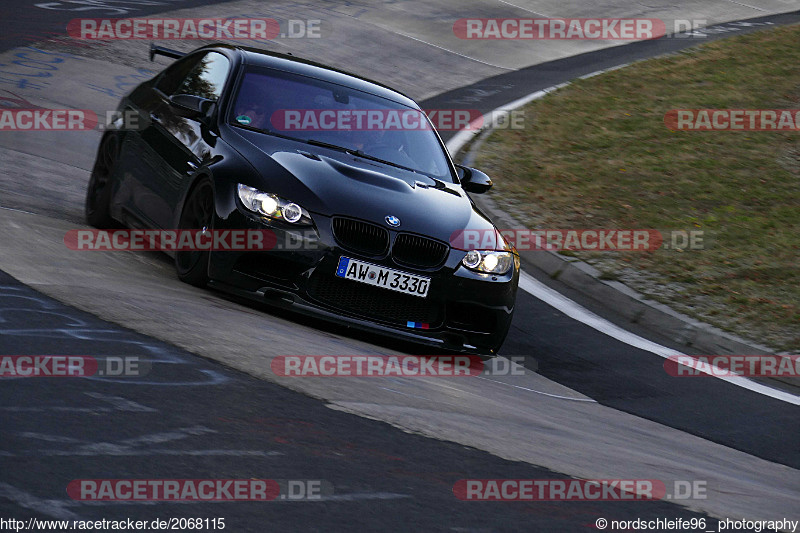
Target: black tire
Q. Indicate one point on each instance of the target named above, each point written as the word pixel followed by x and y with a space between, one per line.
pixel 197 214
pixel 98 193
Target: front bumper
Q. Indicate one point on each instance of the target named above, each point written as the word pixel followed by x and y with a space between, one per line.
pixel 464 311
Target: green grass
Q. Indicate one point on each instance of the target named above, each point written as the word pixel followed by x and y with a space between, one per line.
pixel 597 154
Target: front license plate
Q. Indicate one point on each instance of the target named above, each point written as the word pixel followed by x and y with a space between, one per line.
pixel 379 276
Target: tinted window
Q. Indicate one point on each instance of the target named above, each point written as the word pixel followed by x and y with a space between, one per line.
pixel 307 108
pixel 174 75
pixel 207 77
pixel 202 75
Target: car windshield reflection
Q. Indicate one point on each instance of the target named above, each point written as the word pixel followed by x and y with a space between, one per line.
pixel 306 109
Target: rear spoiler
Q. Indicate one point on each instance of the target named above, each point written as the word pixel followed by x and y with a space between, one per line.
pixel 166 52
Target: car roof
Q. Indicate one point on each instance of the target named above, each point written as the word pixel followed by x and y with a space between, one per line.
pixel 313 69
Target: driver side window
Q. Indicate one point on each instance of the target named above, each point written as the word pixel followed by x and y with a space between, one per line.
pixel 207 77
pixel 202 75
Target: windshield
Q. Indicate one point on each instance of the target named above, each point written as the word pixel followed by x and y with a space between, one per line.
pixel 308 109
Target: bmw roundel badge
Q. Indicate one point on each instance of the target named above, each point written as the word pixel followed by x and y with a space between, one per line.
pixel 393 221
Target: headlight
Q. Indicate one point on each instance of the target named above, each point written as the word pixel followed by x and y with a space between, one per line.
pixel 272 206
pixel 490 262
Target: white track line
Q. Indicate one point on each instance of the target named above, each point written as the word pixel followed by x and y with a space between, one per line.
pixel 748 5
pixel 452 52
pixel 523 8
pixel 577 312
pixel 557 300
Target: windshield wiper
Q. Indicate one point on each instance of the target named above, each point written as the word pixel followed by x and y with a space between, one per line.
pixel 264 130
pixel 359 153
pixel 384 161
pixel 323 144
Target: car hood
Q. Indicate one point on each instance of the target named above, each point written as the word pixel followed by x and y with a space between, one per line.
pixel 331 182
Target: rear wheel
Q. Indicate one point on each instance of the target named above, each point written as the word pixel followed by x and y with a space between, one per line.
pixel 197 214
pixel 98 194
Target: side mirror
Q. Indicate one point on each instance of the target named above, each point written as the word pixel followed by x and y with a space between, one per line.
pixel 191 106
pixel 473 180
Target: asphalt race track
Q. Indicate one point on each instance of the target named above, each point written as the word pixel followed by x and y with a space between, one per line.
pixel 389 449
pixel 196 418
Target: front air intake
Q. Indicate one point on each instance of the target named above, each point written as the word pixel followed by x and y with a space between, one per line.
pixel 417 251
pixel 360 237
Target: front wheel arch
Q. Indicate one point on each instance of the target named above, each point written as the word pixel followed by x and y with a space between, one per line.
pixel 197 212
pixel 97 205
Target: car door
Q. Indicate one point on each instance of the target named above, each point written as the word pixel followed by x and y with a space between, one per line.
pixel 174 145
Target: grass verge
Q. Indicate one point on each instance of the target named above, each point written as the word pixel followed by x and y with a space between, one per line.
pixel 597 154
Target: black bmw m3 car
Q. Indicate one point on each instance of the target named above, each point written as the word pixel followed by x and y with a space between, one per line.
pixel 237 138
